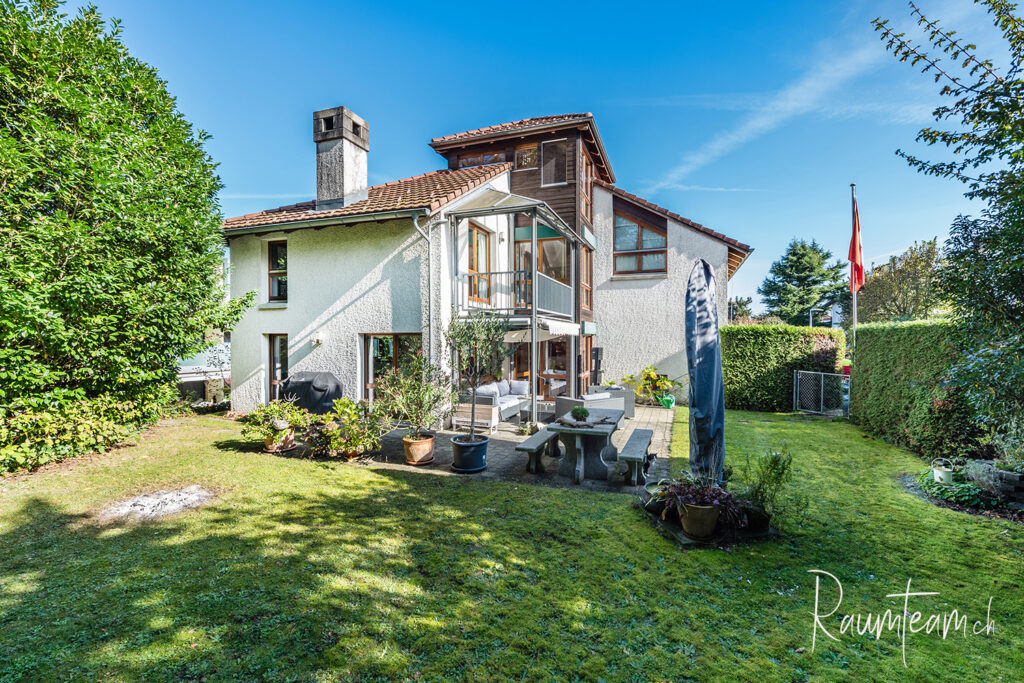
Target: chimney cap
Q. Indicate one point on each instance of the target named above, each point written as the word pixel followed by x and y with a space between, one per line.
pixel 341 123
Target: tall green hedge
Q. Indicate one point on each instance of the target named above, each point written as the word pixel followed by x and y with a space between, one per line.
pixel 758 362
pixel 898 393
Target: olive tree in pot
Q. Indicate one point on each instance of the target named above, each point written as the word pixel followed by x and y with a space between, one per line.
pixel 478 343
pixel 421 395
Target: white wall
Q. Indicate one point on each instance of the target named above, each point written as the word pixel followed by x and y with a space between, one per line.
pixel 641 318
pixel 343 282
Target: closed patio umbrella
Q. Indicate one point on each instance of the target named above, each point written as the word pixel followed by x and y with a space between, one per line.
pixel 704 361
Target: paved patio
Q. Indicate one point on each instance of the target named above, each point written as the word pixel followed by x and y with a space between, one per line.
pixel 505 464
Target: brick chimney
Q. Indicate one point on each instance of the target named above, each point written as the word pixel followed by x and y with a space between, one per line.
pixel 342 141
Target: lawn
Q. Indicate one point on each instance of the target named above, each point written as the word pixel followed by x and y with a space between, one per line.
pixel 306 570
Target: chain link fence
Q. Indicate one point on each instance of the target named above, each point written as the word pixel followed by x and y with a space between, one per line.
pixel 823 393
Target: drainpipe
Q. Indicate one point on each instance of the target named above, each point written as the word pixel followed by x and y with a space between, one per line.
pixel 430 282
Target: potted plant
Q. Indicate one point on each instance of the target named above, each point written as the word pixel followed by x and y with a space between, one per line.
pixel 652 388
pixel 655 503
pixel 699 504
pixel 361 427
pixel 421 395
pixel 275 424
pixel 478 344
pixel 765 476
pixel 579 413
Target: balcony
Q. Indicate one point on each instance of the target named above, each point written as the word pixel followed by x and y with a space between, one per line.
pixel 511 293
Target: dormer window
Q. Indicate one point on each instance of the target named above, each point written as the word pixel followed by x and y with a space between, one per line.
pixel 481 158
pixel 277 271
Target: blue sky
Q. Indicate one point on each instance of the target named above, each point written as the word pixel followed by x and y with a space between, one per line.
pixel 751 118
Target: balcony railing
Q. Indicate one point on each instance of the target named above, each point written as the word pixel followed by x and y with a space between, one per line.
pixel 511 292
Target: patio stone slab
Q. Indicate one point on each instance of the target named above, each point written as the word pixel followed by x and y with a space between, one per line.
pixel 504 463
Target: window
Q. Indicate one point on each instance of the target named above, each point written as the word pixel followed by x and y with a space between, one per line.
pixel 277 271
pixel 587 187
pixel 278 363
pixel 552 162
pixel 639 248
pixel 479 264
pixel 526 157
pixel 586 362
pixel 481 158
pixel 553 260
pixel 384 352
pixel 587 279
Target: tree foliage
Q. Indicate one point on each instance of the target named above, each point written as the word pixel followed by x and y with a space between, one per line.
pixel 111 258
pixel 739 307
pixel 801 280
pixel 983 276
pixel 905 288
pixel 478 343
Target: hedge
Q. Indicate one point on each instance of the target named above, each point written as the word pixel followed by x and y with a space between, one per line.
pixel 758 362
pixel 898 393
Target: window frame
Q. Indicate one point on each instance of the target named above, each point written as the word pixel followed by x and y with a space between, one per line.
pixel 275 272
pixel 540 256
pixel 368 356
pixel 587 175
pixel 276 368
pixel 481 155
pixel 565 160
pixel 639 252
pixel 473 256
pixel 536 157
pixel 587 279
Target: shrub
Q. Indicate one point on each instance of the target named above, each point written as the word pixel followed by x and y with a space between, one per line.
pixel 31 438
pixel 758 362
pixel 961 491
pixel 898 393
pixel 1009 444
pixel 420 394
pixel 260 422
pixel 355 427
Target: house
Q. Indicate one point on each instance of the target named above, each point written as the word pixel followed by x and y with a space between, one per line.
pixel 524 219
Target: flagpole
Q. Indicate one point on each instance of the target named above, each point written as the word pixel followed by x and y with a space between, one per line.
pixel 853 218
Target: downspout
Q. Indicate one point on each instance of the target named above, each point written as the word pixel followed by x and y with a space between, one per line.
pixel 430 282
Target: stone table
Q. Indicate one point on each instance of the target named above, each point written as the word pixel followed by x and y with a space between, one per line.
pixel 589 453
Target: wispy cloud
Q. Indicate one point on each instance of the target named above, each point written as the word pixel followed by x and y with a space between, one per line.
pixel 805 94
pixel 235 195
pixel 703 188
pixel 811 92
pixel 885 111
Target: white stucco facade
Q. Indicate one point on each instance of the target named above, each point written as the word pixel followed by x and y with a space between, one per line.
pixel 641 318
pixel 344 282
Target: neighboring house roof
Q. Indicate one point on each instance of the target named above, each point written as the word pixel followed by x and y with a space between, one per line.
pixel 429 191
pixel 738 251
pixel 534 124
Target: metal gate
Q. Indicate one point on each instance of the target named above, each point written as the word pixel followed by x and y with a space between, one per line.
pixel 824 393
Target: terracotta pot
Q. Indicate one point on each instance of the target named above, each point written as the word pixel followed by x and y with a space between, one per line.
pixel 418 451
pixel 285 443
pixel 699 521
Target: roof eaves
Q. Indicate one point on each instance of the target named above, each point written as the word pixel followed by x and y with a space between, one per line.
pixel 674 216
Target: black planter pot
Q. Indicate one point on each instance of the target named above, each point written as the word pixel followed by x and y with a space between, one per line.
pixel 469 457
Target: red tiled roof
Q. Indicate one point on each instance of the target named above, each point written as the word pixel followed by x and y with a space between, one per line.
pixel 674 216
pixel 510 127
pixel 429 191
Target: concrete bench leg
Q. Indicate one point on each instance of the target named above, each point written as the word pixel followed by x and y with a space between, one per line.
pixel 534 464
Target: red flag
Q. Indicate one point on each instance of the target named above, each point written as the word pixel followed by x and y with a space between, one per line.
pixel 856 258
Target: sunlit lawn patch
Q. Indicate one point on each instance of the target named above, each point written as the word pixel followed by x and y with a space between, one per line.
pixel 333 571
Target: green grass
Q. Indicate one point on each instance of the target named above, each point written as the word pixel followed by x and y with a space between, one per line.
pixel 307 570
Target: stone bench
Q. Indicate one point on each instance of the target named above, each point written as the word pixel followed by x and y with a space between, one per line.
pixel 535 445
pixel 635 455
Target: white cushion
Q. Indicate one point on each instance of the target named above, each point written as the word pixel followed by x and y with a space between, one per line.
pixel 597 397
pixel 490 389
pixel 508 399
pixel 503 388
pixel 519 387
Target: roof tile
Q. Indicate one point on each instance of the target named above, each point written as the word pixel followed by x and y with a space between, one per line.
pixel 511 126
pixel 429 191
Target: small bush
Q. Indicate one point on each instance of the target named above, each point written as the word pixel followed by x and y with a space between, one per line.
pixel 1009 445
pixel 30 438
pixel 259 423
pixel 898 392
pixel 758 362
pixel 961 491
